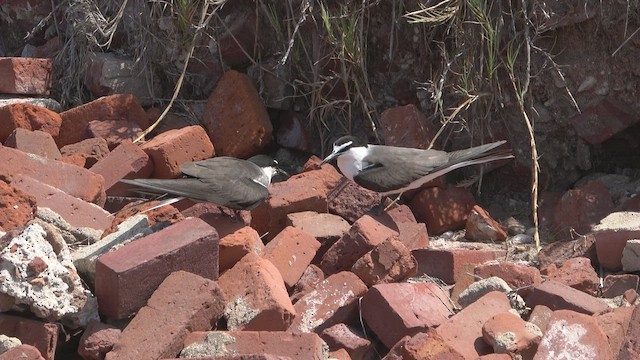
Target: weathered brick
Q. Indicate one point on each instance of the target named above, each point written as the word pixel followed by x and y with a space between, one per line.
pixel 400 218
pixel 173 148
pixel 303 192
pixel 579 274
pixel 93 150
pixel 30 117
pixel 558 296
pixel 582 207
pixel 97 340
pixel 442 209
pixel 604 119
pixel 571 335
pixel 351 201
pixel 560 251
pixel 630 348
pixel 616 285
pixel 236 245
pixel 189 245
pixel 362 237
pixel 257 298
pixel 17 207
pixel 463 331
pixel 26 76
pixel 615 324
pixel 507 333
pixel 247 119
pixel 309 280
pixel 22 352
pixel 182 304
pixel 393 311
pixel 389 261
pixel 71 179
pixel 326 228
pixel 333 301
pixel 276 343
pixel 114 132
pixel 43 336
pixel 341 336
pixel 609 246
pixel 73 210
pixel 113 107
pixel 34 142
pixel 429 345
pixel 406 126
pixel 127 161
pixel 445 263
pixel 291 252
pixel 482 227
pixel 516 275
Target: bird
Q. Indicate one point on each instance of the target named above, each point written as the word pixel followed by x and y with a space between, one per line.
pixel 224 181
pixel 393 170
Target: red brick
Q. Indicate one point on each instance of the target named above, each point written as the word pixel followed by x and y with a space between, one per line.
pixel 463 331
pixel 390 261
pixel 182 304
pixel 516 275
pixel 275 343
pixel 303 192
pixel 113 107
pixel 247 119
pixel 363 236
pixel 257 298
pixel 225 220
pixel 71 179
pixel 97 340
pixel 412 234
pixel 173 148
pixel 326 228
pixel 540 316
pixel 25 76
pixel 572 335
pixel 351 201
pixel 615 324
pixel 333 301
pixel 309 280
pixel 579 274
pixel 393 311
pixel 17 207
pixel 582 207
pixel 157 218
pixel 630 348
pixel 406 126
pixel 558 252
pixel 73 210
pixel 341 336
pixel 43 336
pixel 75 159
pixel 340 354
pixel 395 353
pixel 291 252
pixel 93 150
pixel 482 227
pixel 30 117
pixel 601 121
pixel 236 245
pixel 34 142
pixel 558 296
pixel 442 209
pixel 444 264
pixel 189 245
pixel 429 345
pixel 616 285
pixel 22 352
pixel 507 333
pixel 114 132
pixel 609 245
pixel 127 161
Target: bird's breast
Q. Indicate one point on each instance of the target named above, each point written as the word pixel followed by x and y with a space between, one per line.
pixel 352 162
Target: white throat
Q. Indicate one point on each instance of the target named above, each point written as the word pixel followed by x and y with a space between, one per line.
pixel 267 175
pixel 351 162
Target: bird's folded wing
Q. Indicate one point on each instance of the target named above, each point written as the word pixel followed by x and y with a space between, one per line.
pixel 219 166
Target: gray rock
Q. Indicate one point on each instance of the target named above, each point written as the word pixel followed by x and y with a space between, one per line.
pixel 631 256
pixel 48 103
pixel 7 343
pixel 480 288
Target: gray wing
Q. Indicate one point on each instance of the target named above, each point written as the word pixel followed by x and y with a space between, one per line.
pixel 401 166
pixel 223 181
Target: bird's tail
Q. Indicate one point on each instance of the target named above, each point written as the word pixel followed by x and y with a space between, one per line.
pixel 480 154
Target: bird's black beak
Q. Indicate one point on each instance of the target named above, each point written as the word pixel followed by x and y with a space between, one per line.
pixel 282 172
pixel 329 158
